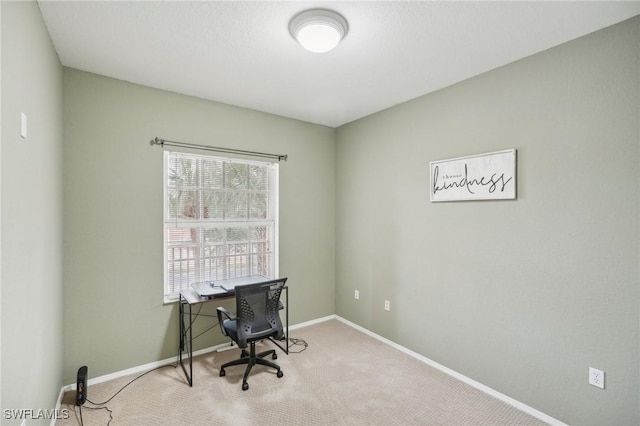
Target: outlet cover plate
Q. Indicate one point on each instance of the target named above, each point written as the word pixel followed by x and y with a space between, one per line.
pixel 596 377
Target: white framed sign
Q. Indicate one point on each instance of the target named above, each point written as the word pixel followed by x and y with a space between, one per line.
pixel 489 176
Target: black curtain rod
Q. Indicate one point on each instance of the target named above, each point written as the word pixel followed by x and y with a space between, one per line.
pixel 163 142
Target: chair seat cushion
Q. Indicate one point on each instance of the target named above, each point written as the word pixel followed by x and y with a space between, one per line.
pixel 230 328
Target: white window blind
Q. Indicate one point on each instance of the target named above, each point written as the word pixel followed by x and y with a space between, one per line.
pixel 220 219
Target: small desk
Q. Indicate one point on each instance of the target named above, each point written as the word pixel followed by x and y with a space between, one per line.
pixel 189 298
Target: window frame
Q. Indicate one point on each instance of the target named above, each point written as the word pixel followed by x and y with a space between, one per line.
pixel 213 223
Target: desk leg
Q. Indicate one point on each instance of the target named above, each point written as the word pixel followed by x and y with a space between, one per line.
pixel 286 325
pixel 183 342
pixel 190 347
pixel 286 320
pixel 181 325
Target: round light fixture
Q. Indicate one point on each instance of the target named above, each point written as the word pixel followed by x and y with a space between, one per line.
pixel 318 30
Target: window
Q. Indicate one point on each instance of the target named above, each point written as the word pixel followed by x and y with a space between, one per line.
pixel 220 219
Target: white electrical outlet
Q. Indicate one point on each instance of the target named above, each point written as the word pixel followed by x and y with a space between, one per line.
pixel 356 295
pixel 387 305
pixel 596 378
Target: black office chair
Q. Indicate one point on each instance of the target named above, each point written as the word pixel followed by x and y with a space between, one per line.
pixel 257 318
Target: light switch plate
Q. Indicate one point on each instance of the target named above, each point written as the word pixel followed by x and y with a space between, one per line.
pixel 23 125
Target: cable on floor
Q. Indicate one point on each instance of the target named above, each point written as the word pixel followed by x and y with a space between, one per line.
pixel 297 342
pixel 103 405
pixel 96 408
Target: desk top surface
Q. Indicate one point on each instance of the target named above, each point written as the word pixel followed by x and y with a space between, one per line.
pixel 220 289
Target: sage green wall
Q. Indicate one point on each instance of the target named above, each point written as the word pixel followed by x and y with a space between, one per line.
pixel 113 215
pixel 522 296
pixel 31 247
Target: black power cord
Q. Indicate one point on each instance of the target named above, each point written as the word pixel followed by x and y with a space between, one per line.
pixel 103 405
pixel 131 381
pixel 297 342
pixel 97 408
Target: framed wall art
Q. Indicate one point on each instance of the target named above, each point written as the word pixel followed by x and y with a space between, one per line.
pixel 490 176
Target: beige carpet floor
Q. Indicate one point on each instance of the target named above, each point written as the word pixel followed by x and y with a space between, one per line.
pixel 344 377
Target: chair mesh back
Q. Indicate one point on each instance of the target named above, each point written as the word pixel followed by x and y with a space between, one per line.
pixel 257 310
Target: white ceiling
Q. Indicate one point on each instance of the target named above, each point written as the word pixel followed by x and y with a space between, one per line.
pixel 241 53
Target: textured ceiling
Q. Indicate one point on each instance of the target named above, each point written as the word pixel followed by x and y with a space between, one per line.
pixel 241 53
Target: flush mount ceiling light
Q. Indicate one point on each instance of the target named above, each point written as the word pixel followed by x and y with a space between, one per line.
pixel 318 30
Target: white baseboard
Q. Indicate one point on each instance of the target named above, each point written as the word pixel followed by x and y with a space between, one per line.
pixel 58 405
pixel 312 322
pixel 149 366
pixel 486 389
pixel 156 364
pixel 143 368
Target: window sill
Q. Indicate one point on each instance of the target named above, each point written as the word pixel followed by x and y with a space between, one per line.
pixel 168 300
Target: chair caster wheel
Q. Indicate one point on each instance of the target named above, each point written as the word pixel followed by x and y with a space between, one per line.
pixel 222 373
pixel 280 373
pixel 274 356
pixel 245 386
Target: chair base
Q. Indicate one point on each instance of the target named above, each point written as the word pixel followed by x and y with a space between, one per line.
pixel 251 358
